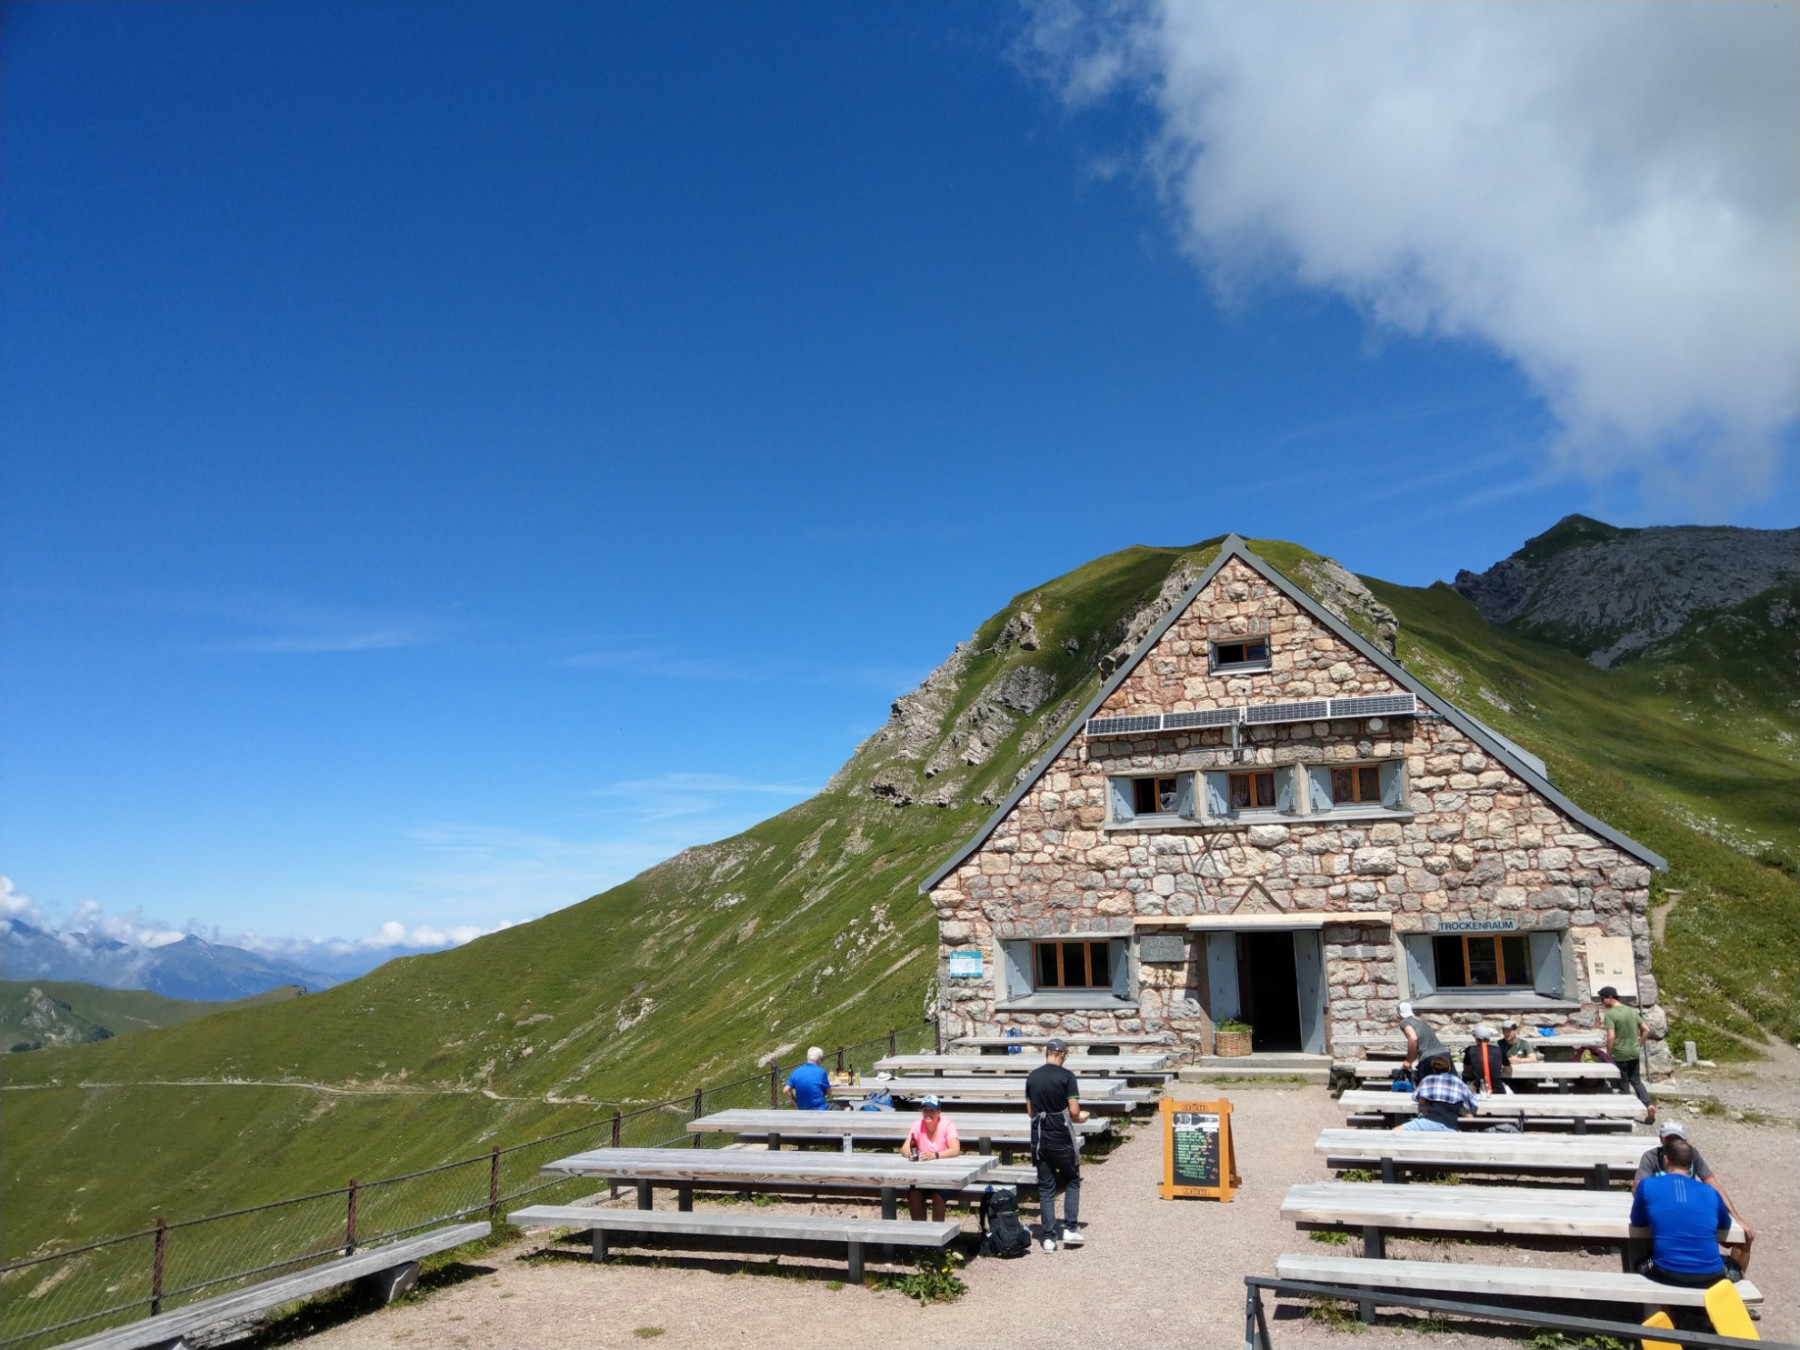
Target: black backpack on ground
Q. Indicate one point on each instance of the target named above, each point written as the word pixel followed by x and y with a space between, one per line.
pixel 1001 1232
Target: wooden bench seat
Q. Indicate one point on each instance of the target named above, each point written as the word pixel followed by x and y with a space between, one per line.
pixel 391 1268
pixel 1602 1157
pixel 1512 1282
pixel 617 1227
pixel 1583 1110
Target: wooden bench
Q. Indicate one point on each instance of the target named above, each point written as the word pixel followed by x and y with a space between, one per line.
pixel 389 1269
pixel 1001 1045
pixel 618 1227
pixel 1506 1282
pixel 1392 1043
pixel 1558 1075
pixel 1511 1211
pixel 1138 1065
pixel 1580 1110
pixel 1599 1156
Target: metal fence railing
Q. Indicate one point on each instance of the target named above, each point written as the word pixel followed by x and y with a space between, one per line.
pixel 63 1295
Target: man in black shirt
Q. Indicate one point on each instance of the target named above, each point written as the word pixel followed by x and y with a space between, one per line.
pixel 1050 1096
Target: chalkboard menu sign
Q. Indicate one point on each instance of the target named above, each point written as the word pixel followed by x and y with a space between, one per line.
pixel 1198 1159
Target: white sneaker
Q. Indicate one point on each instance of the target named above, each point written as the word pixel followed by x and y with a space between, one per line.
pixel 1049 1244
pixel 1073 1237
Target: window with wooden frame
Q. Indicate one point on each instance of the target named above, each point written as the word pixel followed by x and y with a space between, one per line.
pixel 1251 791
pixel 1358 784
pixel 1155 796
pixel 1250 653
pixel 1481 960
pixel 1072 965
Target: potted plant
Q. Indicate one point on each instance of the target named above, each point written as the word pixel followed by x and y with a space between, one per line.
pixel 1231 1038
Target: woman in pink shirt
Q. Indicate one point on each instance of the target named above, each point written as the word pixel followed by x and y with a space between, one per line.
pixel 932 1136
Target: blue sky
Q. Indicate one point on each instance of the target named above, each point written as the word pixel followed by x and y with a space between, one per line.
pixel 456 455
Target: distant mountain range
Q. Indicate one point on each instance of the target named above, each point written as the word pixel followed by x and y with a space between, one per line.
pixel 191 968
pixel 45 1014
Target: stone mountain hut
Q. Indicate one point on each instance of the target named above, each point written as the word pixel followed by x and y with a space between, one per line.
pixel 1261 816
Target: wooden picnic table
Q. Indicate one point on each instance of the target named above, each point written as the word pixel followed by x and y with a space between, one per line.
pixel 1523 1071
pixel 1599 1106
pixel 987 1089
pixel 1600 1156
pixel 1138 1065
pixel 722 1169
pixel 1510 1211
pixel 1392 1044
pixel 987 1132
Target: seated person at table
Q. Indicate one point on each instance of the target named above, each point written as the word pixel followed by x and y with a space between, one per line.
pixel 1687 1220
pixel 809 1086
pixel 1652 1163
pixel 1485 1063
pixel 932 1136
pixel 1518 1047
pixel 1442 1097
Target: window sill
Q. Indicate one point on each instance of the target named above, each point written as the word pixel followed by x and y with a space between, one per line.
pixel 1243 668
pixel 1245 819
pixel 1074 1000
pixel 1494 1000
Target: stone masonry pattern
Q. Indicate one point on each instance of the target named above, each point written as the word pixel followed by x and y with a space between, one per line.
pixel 1475 842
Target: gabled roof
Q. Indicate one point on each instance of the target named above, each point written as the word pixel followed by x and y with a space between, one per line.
pixel 1527 766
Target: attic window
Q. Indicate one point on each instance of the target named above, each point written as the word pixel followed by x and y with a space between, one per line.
pixel 1251 653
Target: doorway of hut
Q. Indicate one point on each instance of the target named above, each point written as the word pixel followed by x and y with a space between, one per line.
pixel 1269 990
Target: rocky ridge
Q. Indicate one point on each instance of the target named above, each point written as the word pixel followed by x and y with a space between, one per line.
pixel 1611 594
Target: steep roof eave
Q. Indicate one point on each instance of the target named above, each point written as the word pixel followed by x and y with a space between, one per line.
pixel 1235 547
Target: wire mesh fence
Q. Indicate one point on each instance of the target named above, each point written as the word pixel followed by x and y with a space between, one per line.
pixel 64 1295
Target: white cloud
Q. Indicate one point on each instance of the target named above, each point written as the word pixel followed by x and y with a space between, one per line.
pixel 15 904
pixel 1608 194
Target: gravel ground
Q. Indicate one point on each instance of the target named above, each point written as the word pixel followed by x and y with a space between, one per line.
pixel 1154 1272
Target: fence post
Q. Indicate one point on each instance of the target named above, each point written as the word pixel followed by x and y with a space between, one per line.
pixel 617 1135
pixel 840 1059
pixel 937 1036
pixel 893 1043
pixel 156 1267
pixel 494 1184
pixel 350 1222
pixel 774 1086
pixel 698 1110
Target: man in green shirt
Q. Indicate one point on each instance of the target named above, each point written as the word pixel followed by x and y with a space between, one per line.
pixel 1623 1026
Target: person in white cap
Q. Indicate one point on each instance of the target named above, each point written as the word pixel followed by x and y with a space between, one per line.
pixel 1485 1064
pixel 1422 1042
pixel 1518 1047
pixel 1654 1163
pixel 932 1136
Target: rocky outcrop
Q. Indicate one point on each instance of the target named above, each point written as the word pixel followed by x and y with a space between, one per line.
pixel 1609 594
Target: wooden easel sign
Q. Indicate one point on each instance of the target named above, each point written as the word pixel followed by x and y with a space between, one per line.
pixel 1198 1158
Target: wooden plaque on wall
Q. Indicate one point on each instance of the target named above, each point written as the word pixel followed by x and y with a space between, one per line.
pixel 1198 1157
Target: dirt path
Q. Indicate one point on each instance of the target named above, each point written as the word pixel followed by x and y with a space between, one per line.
pixel 1155 1273
pixel 328 1089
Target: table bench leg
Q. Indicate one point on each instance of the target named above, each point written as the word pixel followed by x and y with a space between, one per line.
pixel 775 1143
pixel 1374 1247
pixel 599 1240
pixel 984 1146
pixel 1580 1124
pixel 1392 1173
pixel 644 1197
pixel 856 1263
pixel 1256 1331
pixel 1600 1179
pixel 684 1199
pixel 387 1285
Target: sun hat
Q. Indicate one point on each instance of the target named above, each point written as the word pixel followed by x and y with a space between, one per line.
pixel 1607 991
pixel 1055 1045
pixel 1510 1024
pixel 1671 1129
pixel 1406 1010
pixel 1484 1032
pixel 929 1102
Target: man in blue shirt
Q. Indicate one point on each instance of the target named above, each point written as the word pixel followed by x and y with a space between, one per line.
pixel 1687 1220
pixel 809 1086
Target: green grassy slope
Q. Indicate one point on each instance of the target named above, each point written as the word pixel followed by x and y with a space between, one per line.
pixel 808 927
pixel 36 1013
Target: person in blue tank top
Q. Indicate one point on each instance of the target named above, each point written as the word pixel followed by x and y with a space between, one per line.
pixel 809 1086
pixel 1687 1220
